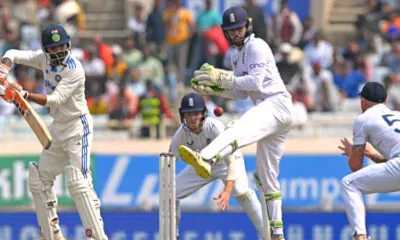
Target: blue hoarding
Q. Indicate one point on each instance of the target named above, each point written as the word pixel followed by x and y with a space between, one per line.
pixel 205 226
pixel 307 181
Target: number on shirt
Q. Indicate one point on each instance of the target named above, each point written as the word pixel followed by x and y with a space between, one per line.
pixel 390 119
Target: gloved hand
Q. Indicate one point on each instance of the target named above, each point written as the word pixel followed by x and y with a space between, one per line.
pixel 205 90
pixel 211 76
pixel 2 90
pixel 9 94
pixel 18 87
pixel 4 70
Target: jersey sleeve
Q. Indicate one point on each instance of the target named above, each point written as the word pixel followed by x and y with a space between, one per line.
pixel 66 87
pixel 258 61
pixel 359 135
pixel 29 58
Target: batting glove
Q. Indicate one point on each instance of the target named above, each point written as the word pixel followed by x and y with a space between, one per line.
pixel 4 70
pixel 9 95
pixel 2 90
pixel 18 87
pixel 211 76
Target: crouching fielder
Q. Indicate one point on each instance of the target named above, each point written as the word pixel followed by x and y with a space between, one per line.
pixel 375 125
pixel 71 131
pixel 196 132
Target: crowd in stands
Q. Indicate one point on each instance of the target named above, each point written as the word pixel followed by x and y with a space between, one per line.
pixel 145 75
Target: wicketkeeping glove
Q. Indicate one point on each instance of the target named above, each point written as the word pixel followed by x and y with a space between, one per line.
pixel 205 90
pixel 211 76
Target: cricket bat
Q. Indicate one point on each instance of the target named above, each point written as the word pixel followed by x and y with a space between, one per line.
pixel 32 118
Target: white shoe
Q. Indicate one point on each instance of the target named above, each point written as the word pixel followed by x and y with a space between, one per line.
pixel 202 168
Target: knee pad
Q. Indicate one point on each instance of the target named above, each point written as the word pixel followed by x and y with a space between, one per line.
pixel 82 194
pixel 45 201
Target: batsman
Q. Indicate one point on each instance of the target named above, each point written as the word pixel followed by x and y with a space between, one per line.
pixel 254 75
pixel 71 130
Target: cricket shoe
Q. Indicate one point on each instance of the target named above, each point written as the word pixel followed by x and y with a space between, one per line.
pixel 202 168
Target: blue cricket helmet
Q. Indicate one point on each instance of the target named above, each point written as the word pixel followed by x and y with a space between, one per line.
pixel 55 35
pixel 192 102
pixel 234 18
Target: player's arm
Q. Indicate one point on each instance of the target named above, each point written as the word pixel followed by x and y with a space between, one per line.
pixel 369 151
pixel 224 196
pixel 356 157
pixel 29 58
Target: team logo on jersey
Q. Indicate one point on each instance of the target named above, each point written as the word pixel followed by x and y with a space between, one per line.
pixel 232 17
pixel 208 140
pixel 57 78
pixel 235 63
pixel 190 143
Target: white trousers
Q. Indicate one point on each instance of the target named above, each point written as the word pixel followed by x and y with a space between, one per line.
pixel 71 144
pixel 376 178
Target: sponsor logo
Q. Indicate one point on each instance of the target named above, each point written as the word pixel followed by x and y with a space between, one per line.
pixel 190 143
pixel 257 65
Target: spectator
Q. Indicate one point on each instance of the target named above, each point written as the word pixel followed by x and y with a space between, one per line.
pixel 257 14
pixel 137 24
pixel 105 52
pixel 152 107
pixel 310 30
pixel 134 82
pixel 391 27
pixel 327 95
pixel 319 50
pixel 179 24
pixel 287 69
pixel 287 26
pixel 155 26
pixel 348 80
pixel 95 71
pixel 122 107
pixel 393 87
pixel 132 56
pixel 206 21
pixel 151 67
pixel 117 70
pixel 394 62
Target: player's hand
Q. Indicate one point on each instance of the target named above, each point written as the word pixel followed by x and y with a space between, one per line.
pixel 223 200
pixel 346 147
pixel 204 90
pixel 2 90
pixel 211 76
pixel 19 88
pixel 9 94
pixel 4 70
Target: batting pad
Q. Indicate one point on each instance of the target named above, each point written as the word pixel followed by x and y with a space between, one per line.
pixel 45 201
pixel 80 192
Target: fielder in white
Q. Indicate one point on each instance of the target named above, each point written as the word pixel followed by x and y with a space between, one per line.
pixel 71 130
pixel 378 126
pixel 196 131
pixel 254 75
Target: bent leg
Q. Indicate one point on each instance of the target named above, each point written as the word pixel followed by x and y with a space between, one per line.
pixel 377 178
